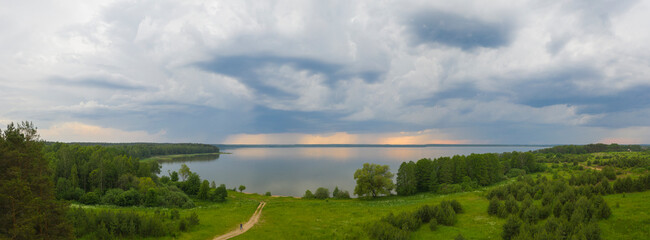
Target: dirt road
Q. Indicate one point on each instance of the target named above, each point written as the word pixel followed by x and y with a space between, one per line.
pixel 248 225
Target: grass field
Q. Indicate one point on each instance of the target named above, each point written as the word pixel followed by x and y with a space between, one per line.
pixel 184 157
pixel 631 220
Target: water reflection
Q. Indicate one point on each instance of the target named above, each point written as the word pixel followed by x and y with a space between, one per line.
pixel 290 171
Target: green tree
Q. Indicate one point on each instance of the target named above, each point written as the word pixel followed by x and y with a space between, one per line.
pixel 511 228
pixel 192 184
pixel 322 193
pixel 423 169
pixel 28 209
pixel 373 180
pixel 493 207
pixel 406 183
pixel 242 188
pixel 308 195
pixel 150 199
pixel 609 172
pixel 184 172
pixel 218 194
pixel 173 176
pixel 203 190
pixel 74 178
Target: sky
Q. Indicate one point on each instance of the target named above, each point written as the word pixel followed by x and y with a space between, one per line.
pixel 327 72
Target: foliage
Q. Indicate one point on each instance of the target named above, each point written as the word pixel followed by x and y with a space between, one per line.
pixel 322 193
pixel 308 195
pixel 590 148
pixel 121 224
pixel 242 188
pixel 28 209
pixel 203 190
pixel 399 226
pixel 406 183
pixel 373 180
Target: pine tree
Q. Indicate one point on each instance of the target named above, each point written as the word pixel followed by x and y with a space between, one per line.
pixel 423 170
pixel 203 190
pixel 406 179
pixel 511 228
pixel 28 209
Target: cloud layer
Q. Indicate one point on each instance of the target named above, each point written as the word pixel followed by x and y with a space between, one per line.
pixel 329 71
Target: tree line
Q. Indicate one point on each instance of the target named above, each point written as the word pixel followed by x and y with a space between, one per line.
pixel 145 150
pixel 591 148
pixel 462 173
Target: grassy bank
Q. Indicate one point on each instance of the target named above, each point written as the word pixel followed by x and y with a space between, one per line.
pixel 184 157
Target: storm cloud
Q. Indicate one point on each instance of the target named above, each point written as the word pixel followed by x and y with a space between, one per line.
pixel 370 71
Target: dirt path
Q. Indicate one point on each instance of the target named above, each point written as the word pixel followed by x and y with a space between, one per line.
pixel 248 225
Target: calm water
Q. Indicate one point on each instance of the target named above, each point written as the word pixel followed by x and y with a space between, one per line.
pixel 289 171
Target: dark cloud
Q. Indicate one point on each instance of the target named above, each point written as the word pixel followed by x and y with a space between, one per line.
pixel 273 121
pixel 561 87
pixel 245 69
pixel 457 31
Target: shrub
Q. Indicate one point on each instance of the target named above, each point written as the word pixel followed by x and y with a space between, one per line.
pixel 511 228
pixel 322 193
pixel 405 221
pixel 457 207
pixel 268 194
pixel 111 196
pixel 433 224
pixel 515 172
pixel 493 207
pixel 90 198
pixel 609 172
pixel 446 215
pixel 129 198
pixel 308 195
pixel 425 213
pixel 384 231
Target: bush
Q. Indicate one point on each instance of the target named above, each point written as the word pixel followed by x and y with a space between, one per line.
pixel 268 194
pixel 493 207
pixel 425 213
pixel 308 195
pixel 405 221
pixel 515 172
pixel 322 193
pixel 433 224
pixel 446 215
pixel 111 196
pixel 511 228
pixel 218 194
pixel 609 172
pixel 457 207
pixel 129 198
pixel 384 231
pixel 90 198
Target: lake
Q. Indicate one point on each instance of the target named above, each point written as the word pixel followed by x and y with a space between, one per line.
pixel 289 171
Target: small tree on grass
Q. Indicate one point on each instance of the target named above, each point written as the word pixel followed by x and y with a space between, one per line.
pixel 308 195
pixel 242 188
pixel 268 194
pixel 373 180
pixel 511 228
pixel 203 191
pixel 322 193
